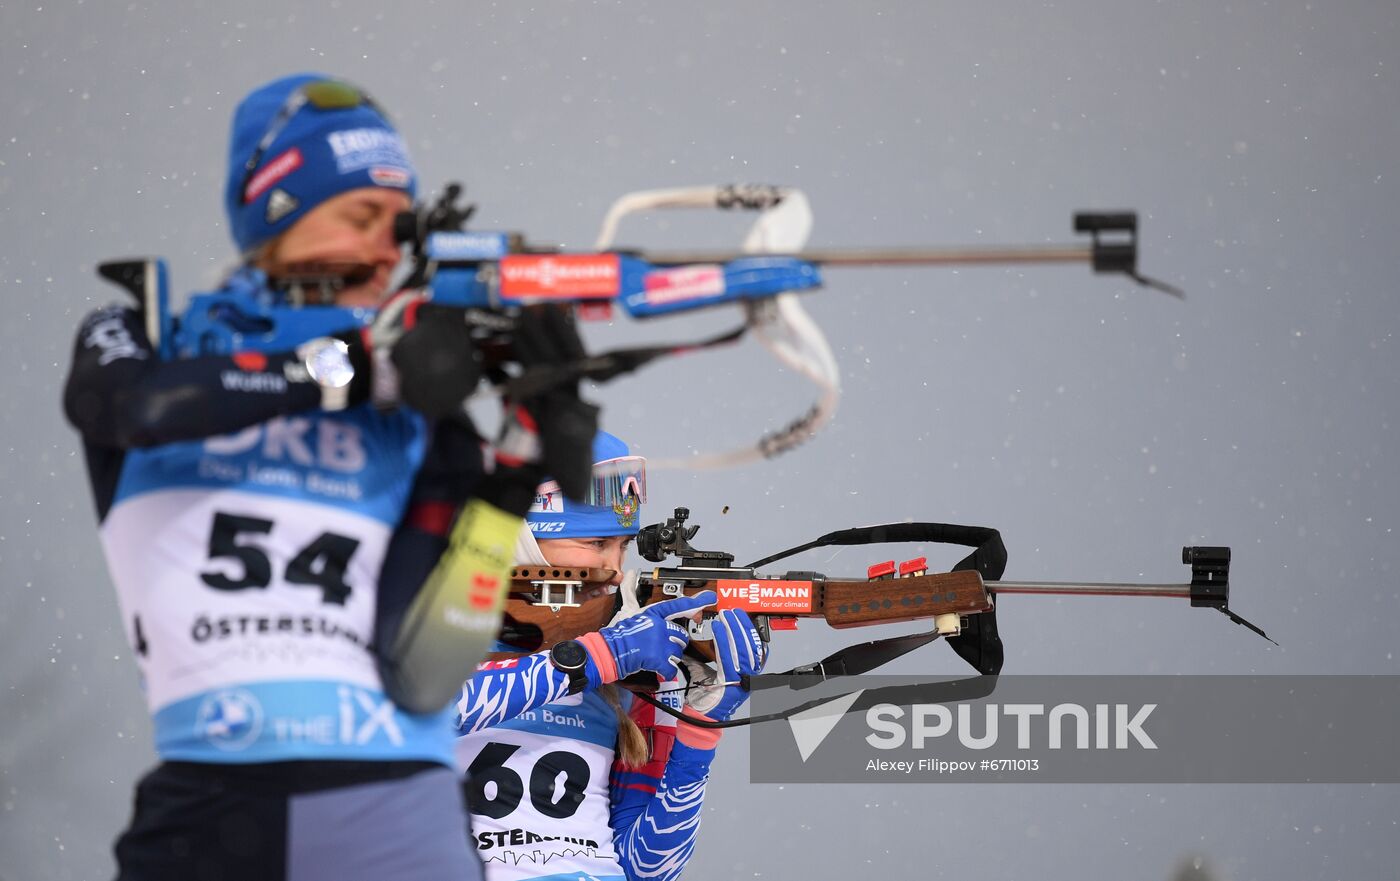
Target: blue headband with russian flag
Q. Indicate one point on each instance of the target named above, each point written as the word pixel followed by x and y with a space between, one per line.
pixel 614 502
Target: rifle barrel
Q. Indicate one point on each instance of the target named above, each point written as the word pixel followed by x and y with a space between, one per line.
pixel 911 256
pixel 1058 588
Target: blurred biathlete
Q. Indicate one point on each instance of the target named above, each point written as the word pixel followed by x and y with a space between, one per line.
pixel 567 776
pixel 277 525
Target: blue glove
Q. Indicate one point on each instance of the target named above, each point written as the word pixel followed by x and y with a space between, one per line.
pixel 650 640
pixel 739 651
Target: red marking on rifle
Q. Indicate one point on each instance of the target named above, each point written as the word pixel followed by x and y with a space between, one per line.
pixel 764 596
pixel 559 276
pixel 681 283
pixel 595 310
pixel 880 570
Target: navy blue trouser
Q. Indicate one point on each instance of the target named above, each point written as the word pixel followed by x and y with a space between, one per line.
pixel 296 821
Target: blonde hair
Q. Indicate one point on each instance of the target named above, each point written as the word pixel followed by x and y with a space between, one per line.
pixel 265 255
pixel 632 747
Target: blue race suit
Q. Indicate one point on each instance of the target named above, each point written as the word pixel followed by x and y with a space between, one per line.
pixel 245 532
pixel 549 799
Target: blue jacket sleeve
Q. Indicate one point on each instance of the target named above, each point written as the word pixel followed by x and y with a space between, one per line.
pixel 502 690
pixel 119 394
pixel 656 807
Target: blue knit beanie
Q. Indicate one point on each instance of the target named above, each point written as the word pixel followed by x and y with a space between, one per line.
pixel 318 153
pixel 614 503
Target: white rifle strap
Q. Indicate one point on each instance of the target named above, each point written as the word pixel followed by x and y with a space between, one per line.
pixel 781 324
pixel 749 196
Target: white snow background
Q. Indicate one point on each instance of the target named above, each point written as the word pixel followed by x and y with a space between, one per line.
pixel 1099 426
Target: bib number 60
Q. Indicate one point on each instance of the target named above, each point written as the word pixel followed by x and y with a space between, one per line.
pixel 489 767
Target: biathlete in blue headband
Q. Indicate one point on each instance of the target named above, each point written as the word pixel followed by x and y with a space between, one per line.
pixel 277 523
pixel 567 777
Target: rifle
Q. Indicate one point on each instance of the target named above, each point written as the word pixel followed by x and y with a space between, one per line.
pixel 546 604
pixel 491 271
pixel 491 275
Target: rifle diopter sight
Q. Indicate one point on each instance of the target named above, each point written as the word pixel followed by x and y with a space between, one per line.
pixel 672 539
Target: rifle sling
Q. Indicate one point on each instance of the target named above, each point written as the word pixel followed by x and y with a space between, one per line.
pixel 940 692
pixel 979 644
pixel 607 365
pixel 853 660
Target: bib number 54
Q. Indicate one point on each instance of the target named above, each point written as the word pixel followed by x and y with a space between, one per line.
pixel 322 563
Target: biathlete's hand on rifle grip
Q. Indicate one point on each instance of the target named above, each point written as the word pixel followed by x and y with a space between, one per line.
pixel 554 429
pixel 437 361
pixel 739 651
pixel 415 353
pixel 650 641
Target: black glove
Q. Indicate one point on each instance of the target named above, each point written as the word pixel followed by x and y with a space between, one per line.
pixel 416 353
pixel 552 430
pixel 437 362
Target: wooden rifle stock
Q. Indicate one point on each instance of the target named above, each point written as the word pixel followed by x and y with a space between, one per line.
pixel 548 604
pixel 916 597
pixel 841 603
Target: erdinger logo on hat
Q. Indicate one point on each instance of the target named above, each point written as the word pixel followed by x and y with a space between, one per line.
pixel 366 147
